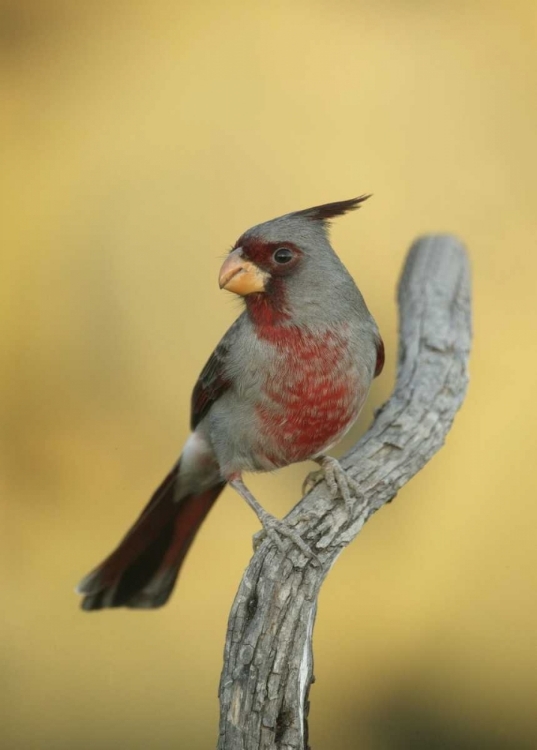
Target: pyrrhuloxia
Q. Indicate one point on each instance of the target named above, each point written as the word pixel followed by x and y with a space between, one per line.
pixel 284 384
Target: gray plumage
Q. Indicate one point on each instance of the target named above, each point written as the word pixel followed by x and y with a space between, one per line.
pixel 287 380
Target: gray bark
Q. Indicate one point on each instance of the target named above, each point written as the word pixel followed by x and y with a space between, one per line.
pixel 268 653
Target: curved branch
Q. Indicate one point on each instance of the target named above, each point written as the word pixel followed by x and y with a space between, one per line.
pixel 268 653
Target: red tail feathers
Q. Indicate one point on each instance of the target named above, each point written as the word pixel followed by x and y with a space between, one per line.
pixel 142 571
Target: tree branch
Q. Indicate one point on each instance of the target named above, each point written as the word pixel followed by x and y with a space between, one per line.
pixel 268 653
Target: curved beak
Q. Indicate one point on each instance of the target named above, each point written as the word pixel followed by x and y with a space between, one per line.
pixel 240 275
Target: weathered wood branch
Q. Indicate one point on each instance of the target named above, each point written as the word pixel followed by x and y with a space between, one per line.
pixel 268 653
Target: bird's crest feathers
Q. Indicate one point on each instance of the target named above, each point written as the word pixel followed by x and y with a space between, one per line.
pixel 331 210
pixel 307 227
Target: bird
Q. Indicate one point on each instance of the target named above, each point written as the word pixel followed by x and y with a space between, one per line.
pixel 286 382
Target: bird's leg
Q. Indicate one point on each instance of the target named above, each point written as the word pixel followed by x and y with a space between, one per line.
pixel 273 527
pixel 339 482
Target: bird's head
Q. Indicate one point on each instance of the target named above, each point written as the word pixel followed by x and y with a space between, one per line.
pixel 287 263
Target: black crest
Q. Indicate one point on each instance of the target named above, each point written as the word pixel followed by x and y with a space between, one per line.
pixel 330 210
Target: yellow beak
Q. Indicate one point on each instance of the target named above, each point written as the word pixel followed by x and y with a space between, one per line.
pixel 240 275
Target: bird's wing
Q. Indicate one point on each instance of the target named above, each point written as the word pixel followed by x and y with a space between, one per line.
pixel 213 380
pixel 380 357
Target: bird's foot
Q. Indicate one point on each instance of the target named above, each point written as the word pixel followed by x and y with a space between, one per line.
pixel 340 484
pixel 277 530
pixel 312 480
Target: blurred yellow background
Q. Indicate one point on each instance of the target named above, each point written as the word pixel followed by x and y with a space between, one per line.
pixel 138 140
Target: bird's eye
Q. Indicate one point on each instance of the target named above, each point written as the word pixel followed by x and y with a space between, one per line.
pixel 283 255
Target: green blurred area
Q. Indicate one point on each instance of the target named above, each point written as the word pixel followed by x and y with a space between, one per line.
pixel 137 141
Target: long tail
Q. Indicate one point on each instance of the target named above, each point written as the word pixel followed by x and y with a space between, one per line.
pixel 142 570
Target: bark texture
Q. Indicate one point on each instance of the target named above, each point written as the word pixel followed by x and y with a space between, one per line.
pixel 268 660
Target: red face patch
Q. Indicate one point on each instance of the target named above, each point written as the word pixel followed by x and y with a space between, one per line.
pixel 278 258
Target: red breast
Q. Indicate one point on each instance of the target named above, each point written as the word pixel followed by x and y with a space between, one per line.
pixel 312 396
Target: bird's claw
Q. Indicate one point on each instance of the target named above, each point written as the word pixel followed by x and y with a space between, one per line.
pixel 312 480
pixel 275 529
pixel 340 484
